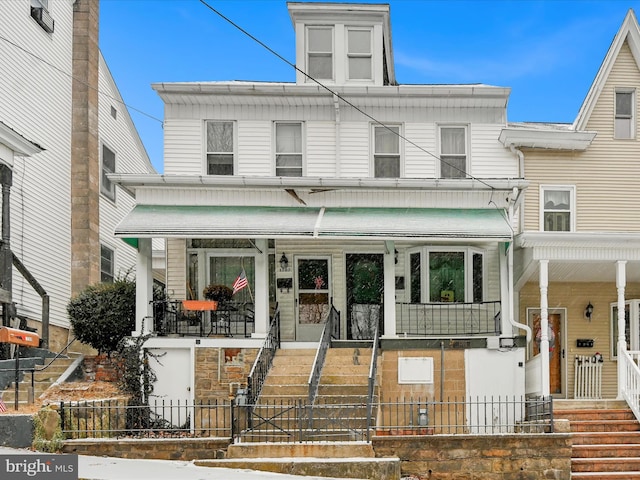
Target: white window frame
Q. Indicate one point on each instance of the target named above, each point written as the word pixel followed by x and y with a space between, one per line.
pixel 572 207
pixel 301 152
pixel 467 150
pixel 399 154
pixel 308 53
pixel 110 274
pixel 624 122
pixel 107 187
pixel 232 153
pixel 352 55
pixel 425 286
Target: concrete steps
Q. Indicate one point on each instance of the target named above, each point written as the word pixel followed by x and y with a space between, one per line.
pixel 606 440
pixel 42 381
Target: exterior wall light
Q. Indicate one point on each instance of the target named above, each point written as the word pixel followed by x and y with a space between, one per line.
pixel 284 263
pixel 588 311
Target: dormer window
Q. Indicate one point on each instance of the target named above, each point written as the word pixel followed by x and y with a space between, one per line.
pixel 320 53
pixel 359 54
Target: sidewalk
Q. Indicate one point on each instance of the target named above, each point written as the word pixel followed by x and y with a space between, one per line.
pixel 108 468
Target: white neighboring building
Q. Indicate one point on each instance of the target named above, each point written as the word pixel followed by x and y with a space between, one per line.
pixel 63 209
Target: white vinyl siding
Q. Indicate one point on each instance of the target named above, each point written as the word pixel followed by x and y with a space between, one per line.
pixel 321 149
pixel 254 148
pixel 355 148
pixel 419 153
pixel 184 146
pixel 177 269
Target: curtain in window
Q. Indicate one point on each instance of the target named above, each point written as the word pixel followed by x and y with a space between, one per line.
pixel 452 152
pixel 387 152
pixel 225 270
pixel 446 277
pixel 320 64
pixel 289 149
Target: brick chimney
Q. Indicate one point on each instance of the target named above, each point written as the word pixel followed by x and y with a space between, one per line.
pixel 85 156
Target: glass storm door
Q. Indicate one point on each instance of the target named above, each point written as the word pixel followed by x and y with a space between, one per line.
pixel 365 288
pixel 313 296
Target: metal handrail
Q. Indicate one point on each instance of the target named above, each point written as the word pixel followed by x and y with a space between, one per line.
pixel 264 359
pixel 328 332
pixel 372 379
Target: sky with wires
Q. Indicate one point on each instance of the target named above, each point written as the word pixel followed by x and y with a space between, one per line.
pixel 548 51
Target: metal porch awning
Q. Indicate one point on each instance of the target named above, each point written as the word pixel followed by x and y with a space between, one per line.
pixel 149 221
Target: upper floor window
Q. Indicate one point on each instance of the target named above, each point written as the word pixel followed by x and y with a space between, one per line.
pixel 220 148
pixel 386 151
pixel 288 149
pixel 107 188
pixel 320 52
pixel 448 275
pixel 625 118
pixel 359 54
pixel 106 264
pixel 453 152
pixel 557 208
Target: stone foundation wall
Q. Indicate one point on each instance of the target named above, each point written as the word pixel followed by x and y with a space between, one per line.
pixel 220 371
pixel 491 457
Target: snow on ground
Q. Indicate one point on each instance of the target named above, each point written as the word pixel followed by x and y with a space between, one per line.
pixel 109 468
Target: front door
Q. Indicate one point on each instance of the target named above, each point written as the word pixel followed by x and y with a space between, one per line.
pixel 365 288
pixel 555 348
pixel 313 296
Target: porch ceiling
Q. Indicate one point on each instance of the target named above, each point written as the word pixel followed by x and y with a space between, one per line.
pixel 148 221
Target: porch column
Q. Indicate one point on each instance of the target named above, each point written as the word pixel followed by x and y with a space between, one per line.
pixel 621 282
pixel 506 310
pixel 261 295
pixel 389 297
pixel 144 288
pixel 544 326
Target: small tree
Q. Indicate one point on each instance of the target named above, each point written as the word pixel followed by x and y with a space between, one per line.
pixel 102 314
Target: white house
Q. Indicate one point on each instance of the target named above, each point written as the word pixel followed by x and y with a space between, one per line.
pixel 395 204
pixel 64 127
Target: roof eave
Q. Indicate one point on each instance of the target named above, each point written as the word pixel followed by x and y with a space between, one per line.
pixel 546 139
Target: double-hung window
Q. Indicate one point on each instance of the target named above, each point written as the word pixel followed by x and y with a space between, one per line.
pixel 557 208
pixel 320 53
pixel 107 188
pixel 386 151
pixel 220 143
pixel 624 115
pixel 288 149
pixel 106 264
pixel 453 152
pixel 359 54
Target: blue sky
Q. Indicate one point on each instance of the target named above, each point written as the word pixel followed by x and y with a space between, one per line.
pixel 547 52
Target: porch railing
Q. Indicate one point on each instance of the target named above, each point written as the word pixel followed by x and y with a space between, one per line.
pixel 427 319
pixel 330 331
pixel 231 319
pixel 630 381
pixel 264 359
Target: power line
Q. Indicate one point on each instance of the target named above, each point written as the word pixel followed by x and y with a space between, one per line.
pixel 49 64
pixel 337 95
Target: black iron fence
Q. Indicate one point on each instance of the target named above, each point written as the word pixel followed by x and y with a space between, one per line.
pixel 297 421
pixel 425 319
pixel 159 419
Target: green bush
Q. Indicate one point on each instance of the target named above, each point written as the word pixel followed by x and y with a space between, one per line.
pixel 102 314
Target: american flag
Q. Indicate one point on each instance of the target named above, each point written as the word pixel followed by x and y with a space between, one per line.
pixel 3 406
pixel 240 282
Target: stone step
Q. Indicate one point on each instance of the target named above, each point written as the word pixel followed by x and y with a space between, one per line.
pixel 345 379
pixel 297 450
pixel 286 379
pixel 597 438
pixel 606 450
pixel 342 389
pixel 288 390
pixel 605 475
pixel 594 414
pixel 619 464
pixel 605 426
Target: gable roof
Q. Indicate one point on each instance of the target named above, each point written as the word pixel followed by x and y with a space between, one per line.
pixel 630 32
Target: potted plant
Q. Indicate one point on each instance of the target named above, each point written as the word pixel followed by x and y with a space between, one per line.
pixel 219 293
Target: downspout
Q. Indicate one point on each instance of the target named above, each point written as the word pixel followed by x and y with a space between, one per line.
pixel 520 156
pixel 336 106
pixel 516 198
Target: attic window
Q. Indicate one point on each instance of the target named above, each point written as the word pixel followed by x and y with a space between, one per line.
pixel 114 112
pixel 624 118
pixel 320 52
pixel 359 54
